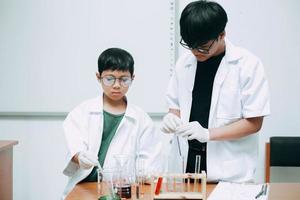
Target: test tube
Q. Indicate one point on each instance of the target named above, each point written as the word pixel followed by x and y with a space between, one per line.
pixel 182 172
pixel 99 178
pixel 197 171
pixel 140 173
pixel 197 164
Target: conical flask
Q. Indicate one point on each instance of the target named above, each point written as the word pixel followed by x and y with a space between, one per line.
pixel 123 184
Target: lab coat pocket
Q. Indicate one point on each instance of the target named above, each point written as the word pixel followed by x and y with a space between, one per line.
pixel 229 103
pixel 228 109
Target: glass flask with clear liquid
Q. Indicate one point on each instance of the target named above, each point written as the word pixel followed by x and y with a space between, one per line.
pixel 123 185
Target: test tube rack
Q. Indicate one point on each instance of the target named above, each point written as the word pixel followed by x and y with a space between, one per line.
pixel 187 190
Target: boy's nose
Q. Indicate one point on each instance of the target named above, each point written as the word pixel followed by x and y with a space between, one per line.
pixel 117 83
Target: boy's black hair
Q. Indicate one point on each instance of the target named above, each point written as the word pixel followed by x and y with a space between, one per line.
pixel 202 21
pixel 115 59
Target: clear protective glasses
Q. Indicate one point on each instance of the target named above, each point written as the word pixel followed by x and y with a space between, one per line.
pixel 109 80
pixel 199 48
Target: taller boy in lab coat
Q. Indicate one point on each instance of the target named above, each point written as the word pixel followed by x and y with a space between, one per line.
pixel 218 96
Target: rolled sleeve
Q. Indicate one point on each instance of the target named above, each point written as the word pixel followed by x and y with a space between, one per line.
pixel 255 93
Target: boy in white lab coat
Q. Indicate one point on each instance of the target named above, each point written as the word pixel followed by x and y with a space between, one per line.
pixel 218 96
pixel 102 127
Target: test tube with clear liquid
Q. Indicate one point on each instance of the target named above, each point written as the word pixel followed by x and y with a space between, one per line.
pixel 197 171
pixel 99 179
pixel 182 168
pixel 140 177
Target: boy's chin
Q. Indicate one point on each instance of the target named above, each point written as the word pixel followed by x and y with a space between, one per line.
pixel 202 58
pixel 115 97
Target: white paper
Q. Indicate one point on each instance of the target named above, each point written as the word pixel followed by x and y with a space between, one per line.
pixel 237 191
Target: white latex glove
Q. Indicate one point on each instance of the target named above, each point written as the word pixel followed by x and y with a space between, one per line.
pixel 170 123
pixel 193 130
pixel 87 159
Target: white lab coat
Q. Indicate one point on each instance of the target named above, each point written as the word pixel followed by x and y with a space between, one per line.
pixel 240 90
pixel 135 136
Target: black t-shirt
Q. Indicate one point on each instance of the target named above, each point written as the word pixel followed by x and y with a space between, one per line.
pixel 202 92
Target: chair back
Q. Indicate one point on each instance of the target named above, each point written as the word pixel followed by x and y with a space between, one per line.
pixel 282 152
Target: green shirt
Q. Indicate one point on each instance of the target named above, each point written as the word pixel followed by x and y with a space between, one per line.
pixel 110 125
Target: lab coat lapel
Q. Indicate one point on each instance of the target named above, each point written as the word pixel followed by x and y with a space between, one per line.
pixel 96 125
pixel 187 96
pixel 119 138
pixel 232 54
pixel 219 79
pixel 189 86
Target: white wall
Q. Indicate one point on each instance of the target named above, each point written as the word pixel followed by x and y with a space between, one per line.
pixel 272 35
pixel 49 50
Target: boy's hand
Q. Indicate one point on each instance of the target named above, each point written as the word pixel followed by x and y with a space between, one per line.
pixel 193 130
pixel 87 159
pixel 170 123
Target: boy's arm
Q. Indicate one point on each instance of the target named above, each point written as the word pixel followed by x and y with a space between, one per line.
pixel 238 129
pixel 175 112
pixel 255 105
pixel 73 131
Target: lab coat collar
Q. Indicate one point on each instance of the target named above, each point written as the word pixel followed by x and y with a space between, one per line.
pixel 232 53
pixel 97 107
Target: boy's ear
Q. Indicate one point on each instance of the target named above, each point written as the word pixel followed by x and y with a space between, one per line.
pixel 132 76
pixel 98 75
pixel 222 34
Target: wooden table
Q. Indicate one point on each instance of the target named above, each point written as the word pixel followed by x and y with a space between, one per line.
pixel 6 169
pixel 284 191
pixel 88 191
pixel 278 191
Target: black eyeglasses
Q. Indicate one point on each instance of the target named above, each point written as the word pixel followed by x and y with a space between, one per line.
pixel 109 80
pixel 199 49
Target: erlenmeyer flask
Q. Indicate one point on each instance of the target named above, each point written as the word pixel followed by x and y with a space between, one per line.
pixel 123 184
pixel 121 159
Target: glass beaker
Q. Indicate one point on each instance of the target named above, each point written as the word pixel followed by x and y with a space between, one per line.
pixel 109 180
pixel 176 166
pixel 123 184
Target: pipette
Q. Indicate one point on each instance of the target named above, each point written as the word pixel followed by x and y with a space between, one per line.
pixel 178 145
pixel 99 166
pixel 99 171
